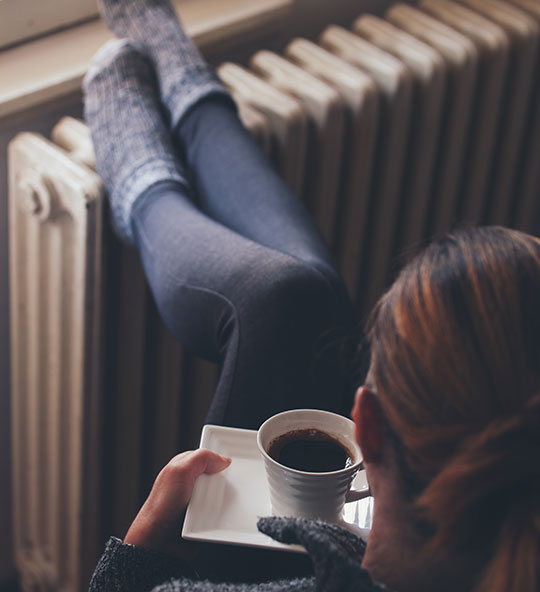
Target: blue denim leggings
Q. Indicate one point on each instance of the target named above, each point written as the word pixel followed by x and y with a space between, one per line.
pixel 241 276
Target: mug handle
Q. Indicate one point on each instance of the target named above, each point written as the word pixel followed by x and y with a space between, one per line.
pixel 353 495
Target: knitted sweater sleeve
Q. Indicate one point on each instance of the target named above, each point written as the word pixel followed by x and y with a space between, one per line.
pixel 126 568
pixel 335 553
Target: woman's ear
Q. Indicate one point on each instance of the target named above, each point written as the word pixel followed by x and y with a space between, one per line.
pixel 370 428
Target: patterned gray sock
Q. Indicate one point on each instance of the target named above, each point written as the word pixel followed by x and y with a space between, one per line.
pixel 131 139
pixel 184 76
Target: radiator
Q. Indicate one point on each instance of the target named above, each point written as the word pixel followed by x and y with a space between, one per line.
pixel 390 132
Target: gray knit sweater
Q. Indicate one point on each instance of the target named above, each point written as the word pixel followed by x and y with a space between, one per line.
pixel 334 552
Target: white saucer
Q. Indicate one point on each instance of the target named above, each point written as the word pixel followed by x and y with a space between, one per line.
pixel 225 507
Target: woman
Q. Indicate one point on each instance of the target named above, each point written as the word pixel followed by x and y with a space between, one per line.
pixel 448 419
pixel 449 426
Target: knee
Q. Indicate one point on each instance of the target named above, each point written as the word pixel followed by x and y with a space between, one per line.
pixel 285 289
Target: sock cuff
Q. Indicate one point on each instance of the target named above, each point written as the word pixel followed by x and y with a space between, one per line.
pixel 198 81
pixel 108 53
pixel 127 190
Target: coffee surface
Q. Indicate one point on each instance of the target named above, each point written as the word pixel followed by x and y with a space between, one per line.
pixel 309 450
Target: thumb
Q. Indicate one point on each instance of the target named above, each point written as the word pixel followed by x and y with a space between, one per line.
pixel 213 462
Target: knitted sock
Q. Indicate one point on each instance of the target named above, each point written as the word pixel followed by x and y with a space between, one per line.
pixel 131 139
pixel 184 76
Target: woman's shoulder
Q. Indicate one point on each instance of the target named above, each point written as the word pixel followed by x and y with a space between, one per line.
pixel 335 552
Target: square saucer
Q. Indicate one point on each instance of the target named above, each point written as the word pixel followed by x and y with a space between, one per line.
pixel 225 507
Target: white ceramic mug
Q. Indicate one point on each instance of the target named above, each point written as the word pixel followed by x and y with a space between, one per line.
pixel 302 493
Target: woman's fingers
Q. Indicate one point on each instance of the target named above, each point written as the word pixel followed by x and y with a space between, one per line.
pixel 216 463
pixel 174 484
pixel 187 466
pixel 158 522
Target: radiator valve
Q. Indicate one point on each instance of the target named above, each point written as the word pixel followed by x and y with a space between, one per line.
pixel 35 196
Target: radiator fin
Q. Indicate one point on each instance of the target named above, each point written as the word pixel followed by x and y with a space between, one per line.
pixel 360 96
pixel 429 71
pixel 461 58
pixel 326 119
pixel 53 204
pixel 396 86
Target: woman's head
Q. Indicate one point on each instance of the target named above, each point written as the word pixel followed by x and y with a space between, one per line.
pixel 455 364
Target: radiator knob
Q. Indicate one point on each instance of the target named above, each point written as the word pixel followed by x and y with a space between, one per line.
pixel 35 196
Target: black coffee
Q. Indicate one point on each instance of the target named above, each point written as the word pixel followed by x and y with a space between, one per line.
pixel 309 450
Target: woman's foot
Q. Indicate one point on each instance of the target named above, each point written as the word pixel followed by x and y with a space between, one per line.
pixel 184 76
pixel 131 138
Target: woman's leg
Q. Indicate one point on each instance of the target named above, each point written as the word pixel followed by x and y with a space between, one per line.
pixel 261 313
pixel 236 184
pixel 258 310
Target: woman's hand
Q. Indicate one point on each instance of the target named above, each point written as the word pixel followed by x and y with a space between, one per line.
pixel 157 525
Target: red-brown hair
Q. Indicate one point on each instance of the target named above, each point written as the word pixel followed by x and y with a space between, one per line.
pixel 455 361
